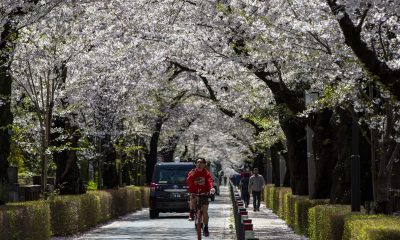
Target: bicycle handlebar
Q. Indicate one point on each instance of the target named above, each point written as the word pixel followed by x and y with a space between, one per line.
pixel 200 194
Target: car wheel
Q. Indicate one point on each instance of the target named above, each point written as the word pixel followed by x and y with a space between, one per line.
pixel 153 213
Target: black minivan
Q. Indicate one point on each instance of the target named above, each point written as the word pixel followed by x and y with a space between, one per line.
pixel 168 189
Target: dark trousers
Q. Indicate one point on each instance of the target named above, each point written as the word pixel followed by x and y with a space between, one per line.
pixel 256 199
pixel 246 197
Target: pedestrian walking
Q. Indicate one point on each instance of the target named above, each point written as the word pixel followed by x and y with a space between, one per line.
pixel 244 188
pixel 256 185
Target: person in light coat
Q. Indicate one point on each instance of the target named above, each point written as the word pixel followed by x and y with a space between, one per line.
pixel 256 185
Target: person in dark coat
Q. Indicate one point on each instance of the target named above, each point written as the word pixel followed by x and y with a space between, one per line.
pixel 244 188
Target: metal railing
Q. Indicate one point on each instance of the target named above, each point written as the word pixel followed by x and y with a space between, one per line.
pixel 243 224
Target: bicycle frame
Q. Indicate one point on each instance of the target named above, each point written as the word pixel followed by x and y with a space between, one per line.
pixel 198 222
pixel 198 214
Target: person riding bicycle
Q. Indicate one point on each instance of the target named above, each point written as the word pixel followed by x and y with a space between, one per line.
pixel 200 181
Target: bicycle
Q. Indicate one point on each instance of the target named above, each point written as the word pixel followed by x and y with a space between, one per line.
pixel 198 214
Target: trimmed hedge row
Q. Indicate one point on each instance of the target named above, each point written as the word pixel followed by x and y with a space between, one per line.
pixel 321 221
pixel 81 212
pixel 300 205
pixel 292 208
pixel 269 196
pixel 66 215
pixel 371 227
pixel 326 222
pixel 28 220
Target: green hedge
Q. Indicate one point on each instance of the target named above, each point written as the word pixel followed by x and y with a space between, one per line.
pixel 371 227
pixel 65 212
pixel 282 207
pixel 77 213
pixel 326 222
pixel 269 196
pixel 104 207
pixel 68 214
pixel 299 206
pixel 287 217
pixel 145 194
pixel 26 220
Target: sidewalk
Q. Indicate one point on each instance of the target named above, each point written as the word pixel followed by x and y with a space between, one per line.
pixel 267 225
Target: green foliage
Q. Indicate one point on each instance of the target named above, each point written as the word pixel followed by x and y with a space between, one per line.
pixel 104 207
pixel 145 196
pixel 269 196
pixel 299 207
pixel 282 192
pixel 223 8
pixel 65 215
pixel 69 214
pixel 287 207
pixel 371 227
pixel 92 185
pixel 25 220
pixel 327 221
pixel 16 157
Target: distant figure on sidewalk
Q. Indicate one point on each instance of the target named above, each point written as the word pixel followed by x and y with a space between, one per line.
pixel 235 179
pixel 244 188
pixel 256 185
pixel 225 180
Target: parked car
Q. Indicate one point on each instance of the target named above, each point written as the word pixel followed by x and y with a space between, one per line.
pixel 168 189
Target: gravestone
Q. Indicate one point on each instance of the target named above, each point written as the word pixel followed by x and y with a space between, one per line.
pixel 29 192
pixel 13 186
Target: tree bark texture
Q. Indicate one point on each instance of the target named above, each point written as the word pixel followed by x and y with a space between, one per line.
pixel 294 130
pixel 275 164
pixel 6 117
pixel 68 178
pixel 110 175
pixel 370 60
pixel 325 152
pixel 259 162
pixel 151 157
pixel 168 151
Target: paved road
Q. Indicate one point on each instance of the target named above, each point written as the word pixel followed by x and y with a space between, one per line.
pixel 168 226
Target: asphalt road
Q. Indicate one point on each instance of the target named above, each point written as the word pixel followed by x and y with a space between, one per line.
pixel 168 226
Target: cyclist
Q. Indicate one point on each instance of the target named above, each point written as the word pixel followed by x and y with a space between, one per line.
pixel 200 181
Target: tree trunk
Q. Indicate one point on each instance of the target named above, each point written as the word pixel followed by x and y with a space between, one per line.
pixel 340 190
pixel 325 153
pixel 110 175
pixel 43 158
pixel 275 164
pixel 68 178
pixel 6 117
pixel 294 130
pixel 151 157
pixel 367 56
pixel 259 162
pixel 382 194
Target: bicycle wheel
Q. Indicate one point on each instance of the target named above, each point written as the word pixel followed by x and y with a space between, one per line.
pixel 198 224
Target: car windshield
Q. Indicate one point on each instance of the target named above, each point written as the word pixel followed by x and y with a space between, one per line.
pixel 172 176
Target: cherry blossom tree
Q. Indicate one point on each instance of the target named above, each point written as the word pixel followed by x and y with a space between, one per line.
pixel 14 16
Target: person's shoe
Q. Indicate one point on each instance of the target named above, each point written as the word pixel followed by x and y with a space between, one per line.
pixel 254 209
pixel 205 231
pixel 191 215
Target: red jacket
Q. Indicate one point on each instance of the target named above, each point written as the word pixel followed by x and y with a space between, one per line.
pixel 199 181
